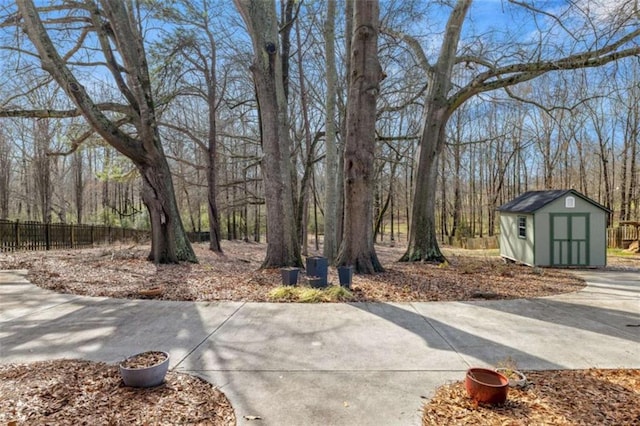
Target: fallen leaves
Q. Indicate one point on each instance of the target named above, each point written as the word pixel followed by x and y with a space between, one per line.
pixel 124 272
pixel 560 397
pixel 83 392
pixel 144 360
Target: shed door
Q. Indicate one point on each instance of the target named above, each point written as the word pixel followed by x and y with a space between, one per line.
pixel 569 239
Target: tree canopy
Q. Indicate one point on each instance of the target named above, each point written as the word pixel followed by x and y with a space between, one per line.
pixel 233 120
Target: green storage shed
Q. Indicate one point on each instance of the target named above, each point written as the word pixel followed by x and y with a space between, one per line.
pixel 554 228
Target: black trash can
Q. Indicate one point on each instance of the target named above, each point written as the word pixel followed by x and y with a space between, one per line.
pixel 317 266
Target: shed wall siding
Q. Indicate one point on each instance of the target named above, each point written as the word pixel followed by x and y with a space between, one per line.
pixel 598 233
pixel 512 246
pixel 597 230
pixel 543 230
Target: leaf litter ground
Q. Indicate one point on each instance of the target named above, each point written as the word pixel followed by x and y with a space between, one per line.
pixel 124 272
pixel 74 392
pixel 570 397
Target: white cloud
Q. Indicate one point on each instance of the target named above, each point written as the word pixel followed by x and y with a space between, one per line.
pixel 609 10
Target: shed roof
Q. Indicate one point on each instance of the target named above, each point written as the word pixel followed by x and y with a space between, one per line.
pixel 531 201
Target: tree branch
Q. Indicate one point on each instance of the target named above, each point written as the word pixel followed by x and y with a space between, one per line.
pixel 67 113
pixel 53 63
pixel 414 44
pixel 509 75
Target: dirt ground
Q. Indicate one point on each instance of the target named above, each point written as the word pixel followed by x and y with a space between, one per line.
pixel 34 393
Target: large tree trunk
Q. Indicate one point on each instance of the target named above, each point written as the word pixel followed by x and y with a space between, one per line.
pixel 282 242
pixel 357 246
pixel 169 240
pixel 423 243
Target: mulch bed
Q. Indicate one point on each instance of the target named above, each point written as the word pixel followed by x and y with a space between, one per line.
pixel 73 392
pixel 564 397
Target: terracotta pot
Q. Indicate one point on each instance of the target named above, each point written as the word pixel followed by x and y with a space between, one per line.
pixel 486 386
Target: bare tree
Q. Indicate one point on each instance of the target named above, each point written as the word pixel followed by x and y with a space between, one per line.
pixel 628 108
pixel 262 24
pixel 5 174
pixel 42 167
pixel 332 216
pixel 132 127
pixel 194 42
pixel 357 247
pixel 527 62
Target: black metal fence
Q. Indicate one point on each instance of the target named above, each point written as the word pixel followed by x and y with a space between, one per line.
pixel 17 235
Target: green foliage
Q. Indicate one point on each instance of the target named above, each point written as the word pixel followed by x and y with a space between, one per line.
pixel 310 295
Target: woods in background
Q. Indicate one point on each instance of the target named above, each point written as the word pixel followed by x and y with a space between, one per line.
pixel 249 109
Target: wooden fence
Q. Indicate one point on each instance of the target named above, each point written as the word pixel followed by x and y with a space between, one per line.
pixel 17 235
pixel 621 236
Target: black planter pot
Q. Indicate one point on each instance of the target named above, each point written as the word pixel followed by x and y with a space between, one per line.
pixel 289 276
pixel 316 282
pixel 345 274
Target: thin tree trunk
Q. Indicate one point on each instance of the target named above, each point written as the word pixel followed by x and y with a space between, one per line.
pixel 5 176
pixel 303 200
pixel 78 185
pixel 212 154
pixel 332 214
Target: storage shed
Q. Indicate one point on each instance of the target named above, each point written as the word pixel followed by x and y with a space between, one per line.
pixel 554 228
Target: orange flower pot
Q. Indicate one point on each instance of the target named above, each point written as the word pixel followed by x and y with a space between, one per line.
pixel 486 386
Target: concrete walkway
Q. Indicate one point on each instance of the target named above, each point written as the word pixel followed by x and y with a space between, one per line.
pixel 330 364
